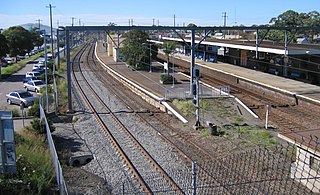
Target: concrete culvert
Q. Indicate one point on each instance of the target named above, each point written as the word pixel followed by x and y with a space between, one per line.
pixel 88 160
pixel 76 163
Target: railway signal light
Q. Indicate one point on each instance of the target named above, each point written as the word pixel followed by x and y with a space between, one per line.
pixel 194 101
pixel 196 71
pixel 194 89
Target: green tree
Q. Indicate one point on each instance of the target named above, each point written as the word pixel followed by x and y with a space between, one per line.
pixel 3 46
pixel 191 25
pixel 37 40
pixel 19 40
pixel 136 54
pixel 292 18
pixel 168 48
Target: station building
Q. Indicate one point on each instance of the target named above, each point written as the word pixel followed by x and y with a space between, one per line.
pixel 296 61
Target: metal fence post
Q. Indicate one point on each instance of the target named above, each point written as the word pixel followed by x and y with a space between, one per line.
pixel 194 177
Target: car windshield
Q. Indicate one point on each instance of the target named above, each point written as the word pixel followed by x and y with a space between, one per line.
pixel 25 94
pixel 38 83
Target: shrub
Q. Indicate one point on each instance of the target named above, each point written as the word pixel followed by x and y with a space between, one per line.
pixel 166 79
pixel 34 110
pixel 39 127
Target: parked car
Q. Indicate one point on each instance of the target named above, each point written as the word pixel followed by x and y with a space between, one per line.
pixel 35 85
pixel 33 74
pixel 20 97
pixel 29 79
pixel 41 71
pixel 38 66
pixel 9 61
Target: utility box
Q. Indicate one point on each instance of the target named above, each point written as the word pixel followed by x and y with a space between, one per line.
pixel 7 145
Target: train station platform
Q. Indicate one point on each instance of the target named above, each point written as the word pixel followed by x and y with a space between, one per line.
pixel 272 81
pixel 151 80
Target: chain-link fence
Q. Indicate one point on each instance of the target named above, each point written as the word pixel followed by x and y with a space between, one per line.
pixel 292 168
pixel 57 166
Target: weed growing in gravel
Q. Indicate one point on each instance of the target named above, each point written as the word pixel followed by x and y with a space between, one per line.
pixel 205 132
pixel 186 107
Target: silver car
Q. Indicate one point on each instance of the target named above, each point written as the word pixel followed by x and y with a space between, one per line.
pixel 20 97
pixel 34 85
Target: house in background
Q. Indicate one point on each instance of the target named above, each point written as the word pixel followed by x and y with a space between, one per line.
pixel 306 167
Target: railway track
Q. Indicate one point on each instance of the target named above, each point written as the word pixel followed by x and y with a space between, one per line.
pixel 224 178
pixel 183 141
pixel 141 164
pixel 284 116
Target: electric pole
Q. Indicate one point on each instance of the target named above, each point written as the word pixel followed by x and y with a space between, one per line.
pixel 53 56
pixel 153 22
pixel 72 20
pixel 224 16
pixel 174 20
pixel 52 50
pixel 39 21
pixel 79 22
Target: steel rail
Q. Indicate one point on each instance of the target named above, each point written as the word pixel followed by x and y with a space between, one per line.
pixel 134 140
pixel 133 169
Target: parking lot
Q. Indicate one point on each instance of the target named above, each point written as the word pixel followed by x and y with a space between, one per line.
pixel 14 82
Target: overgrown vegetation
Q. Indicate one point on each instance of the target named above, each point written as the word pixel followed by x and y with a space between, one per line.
pixel 34 109
pixel 35 173
pixel 39 127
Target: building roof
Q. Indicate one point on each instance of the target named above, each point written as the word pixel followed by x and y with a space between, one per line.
pixel 307 139
pixel 265 46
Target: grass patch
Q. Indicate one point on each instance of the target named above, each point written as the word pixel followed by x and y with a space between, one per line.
pixel 187 108
pixel 9 70
pixel 255 135
pixel 205 132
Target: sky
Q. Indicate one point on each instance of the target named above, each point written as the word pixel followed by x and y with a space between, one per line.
pixel 148 12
